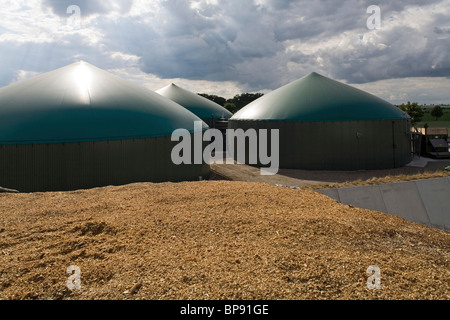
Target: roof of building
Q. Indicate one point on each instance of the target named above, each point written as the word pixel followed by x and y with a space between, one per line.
pixel 318 98
pixel 200 106
pixel 81 102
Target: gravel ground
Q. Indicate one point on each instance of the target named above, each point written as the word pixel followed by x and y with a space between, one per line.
pixel 212 240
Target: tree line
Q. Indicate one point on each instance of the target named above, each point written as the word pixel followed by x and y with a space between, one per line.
pixel 415 111
pixel 234 104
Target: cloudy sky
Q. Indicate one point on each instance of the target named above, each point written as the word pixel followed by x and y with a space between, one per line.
pixel 226 47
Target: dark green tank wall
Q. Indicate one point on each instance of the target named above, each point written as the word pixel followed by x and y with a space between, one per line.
pixel 83 165
pixel 339 145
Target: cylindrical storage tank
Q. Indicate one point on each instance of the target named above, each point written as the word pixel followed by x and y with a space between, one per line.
pixel 207 110
pixel 327 125
pixel 213 114
pixel 81 127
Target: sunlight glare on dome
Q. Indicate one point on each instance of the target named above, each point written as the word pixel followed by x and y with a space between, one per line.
pixel 83 79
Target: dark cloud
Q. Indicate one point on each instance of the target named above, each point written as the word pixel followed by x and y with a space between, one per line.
pixel 243 34
pixel 438 30
pixel 182 20
pixel 399 53
pixel 260 44
pixel 191 45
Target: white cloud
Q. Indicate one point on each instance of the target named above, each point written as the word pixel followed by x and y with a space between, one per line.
pixel 227 89
pixel 420 89
pixel 23 75
pixel 235 46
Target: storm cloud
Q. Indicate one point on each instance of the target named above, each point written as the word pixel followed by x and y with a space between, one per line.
pixel 256 44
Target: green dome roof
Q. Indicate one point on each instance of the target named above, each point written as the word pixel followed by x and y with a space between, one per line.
pixel 198 105
pixel 81 102
pixel 317 98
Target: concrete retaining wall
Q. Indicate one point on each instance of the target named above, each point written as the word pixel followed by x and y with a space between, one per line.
pixel 422 201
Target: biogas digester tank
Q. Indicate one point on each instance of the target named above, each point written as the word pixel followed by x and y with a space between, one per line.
pixel 81 127
pixel 327 125
pixel 205 109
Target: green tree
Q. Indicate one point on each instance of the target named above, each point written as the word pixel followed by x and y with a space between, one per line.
pixel 236 103
pixel 414 110
pixel 241 100
pixel 214 98
pixel 230 107
pixel 437 112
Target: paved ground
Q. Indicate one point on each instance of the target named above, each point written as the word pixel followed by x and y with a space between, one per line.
pixel 298 178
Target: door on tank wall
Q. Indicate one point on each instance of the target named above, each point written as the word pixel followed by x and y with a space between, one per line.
pixel 394 147
pixel 401 144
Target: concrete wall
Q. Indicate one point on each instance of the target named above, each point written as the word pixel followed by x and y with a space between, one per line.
pixel 422 201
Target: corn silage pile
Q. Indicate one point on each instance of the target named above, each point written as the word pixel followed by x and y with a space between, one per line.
pixel 212 240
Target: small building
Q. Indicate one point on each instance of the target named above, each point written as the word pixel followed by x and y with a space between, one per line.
pixel 435 142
